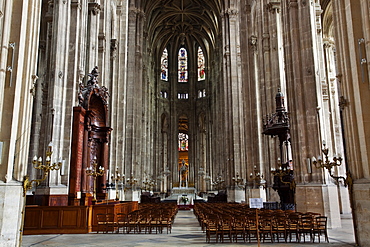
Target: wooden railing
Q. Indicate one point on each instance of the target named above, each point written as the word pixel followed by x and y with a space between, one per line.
pixel 56 219
pixel 69 219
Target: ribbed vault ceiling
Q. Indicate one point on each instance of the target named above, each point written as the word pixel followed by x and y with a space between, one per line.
pixel 182 22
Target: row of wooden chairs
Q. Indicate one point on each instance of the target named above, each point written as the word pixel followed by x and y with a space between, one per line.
pixel 238 222
pixel 151 218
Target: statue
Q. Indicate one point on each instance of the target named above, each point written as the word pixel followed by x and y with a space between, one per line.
pixel 184 170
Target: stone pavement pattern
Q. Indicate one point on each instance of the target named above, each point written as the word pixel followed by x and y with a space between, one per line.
pixel 185 231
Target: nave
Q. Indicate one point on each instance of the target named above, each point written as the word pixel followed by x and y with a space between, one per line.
pixel 185 231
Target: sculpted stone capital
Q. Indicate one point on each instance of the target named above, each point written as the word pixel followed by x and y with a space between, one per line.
pixel 135 12
pixel 76 4
pixel 253 42
pixel 293 4
pixel 94 8
pixel 274 6
pixel 113 47
pixel 232 13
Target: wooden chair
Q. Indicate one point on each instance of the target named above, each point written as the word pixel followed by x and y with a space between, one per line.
pixel 266 222
pixel 225 228
pixel 155 223
pixel 252 231
pixel 320 228
pixel 280 227
pixel 101 223
pixel 111 224
pixel 132 222
pixel 293 221
pixel 239 227
pixel 122 222
pixel 144 222
pixel 211 226
pixel 306 227
pixel 166 222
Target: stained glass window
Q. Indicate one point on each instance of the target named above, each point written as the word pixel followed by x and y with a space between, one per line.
pixel 183 96
pixel 201 93
pixel 183 142
pixel 201 65
pixel 163 94
pixel 164 65
pixel 183 65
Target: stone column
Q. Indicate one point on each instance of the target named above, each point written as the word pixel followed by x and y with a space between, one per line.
pixel 118 88
pixel 133 160
pixel 20 29
pixel 54 101
pixel 234 159
pixel 311 191
pixel 352 41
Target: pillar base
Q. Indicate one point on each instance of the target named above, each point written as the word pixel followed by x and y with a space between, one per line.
pixel 132 195
pixel 11 207
pixel 51 196
pixel 236 195
pixel 319 198
pixel 361 207
pixel 256 193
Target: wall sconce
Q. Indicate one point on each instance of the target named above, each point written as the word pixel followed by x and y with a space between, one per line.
pixel 201 172
pixel 257 178
pixel 116 178
pixel 282 172
pixel 95 172
pixel 218 182
pixel 40 165
pixel 131 181
pixel 327 164
pixel 238 181
pixel 148 184
pixel 166 171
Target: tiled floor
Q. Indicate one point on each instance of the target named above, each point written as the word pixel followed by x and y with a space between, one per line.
pixel 185 231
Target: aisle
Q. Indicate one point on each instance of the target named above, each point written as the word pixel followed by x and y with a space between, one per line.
pixel 186 229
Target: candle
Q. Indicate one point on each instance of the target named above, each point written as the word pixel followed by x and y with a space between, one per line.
pixel 62 170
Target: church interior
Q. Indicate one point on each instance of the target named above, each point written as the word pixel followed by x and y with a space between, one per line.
pixel 111 105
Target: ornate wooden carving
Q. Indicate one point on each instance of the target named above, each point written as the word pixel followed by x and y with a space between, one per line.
pixel 90 138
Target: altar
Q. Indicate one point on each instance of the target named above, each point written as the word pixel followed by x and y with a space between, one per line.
pixel 185 202
pixel 184 197
pixel 184 190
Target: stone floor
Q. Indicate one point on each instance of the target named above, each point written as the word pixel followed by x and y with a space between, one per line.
pixel 185 231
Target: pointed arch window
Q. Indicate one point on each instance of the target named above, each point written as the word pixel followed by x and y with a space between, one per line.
pixel 164 65
pixel 183 65
pixel 201 65
pixel 183 142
